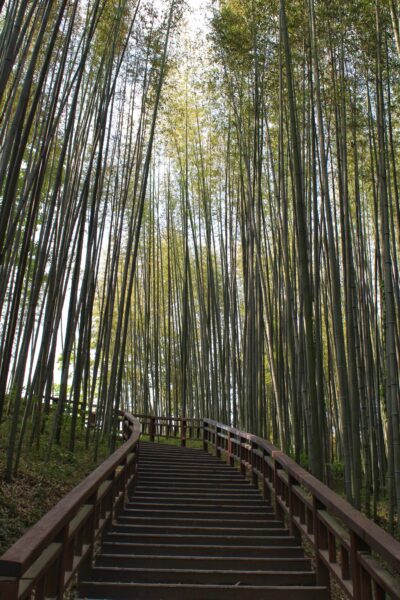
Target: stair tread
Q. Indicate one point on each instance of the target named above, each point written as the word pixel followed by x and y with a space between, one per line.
pixel 217 530
pixel 205 548
pixel 135 570
pixel 197 520
pixel 215 541
pixel 96 591
pixel 215 559
pixel 148 512
pixel 205 576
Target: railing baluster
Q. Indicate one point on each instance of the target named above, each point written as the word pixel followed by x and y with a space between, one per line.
pixel 265 470
pixel 40 589
pixel 242 442
pixel 332 547
pixel 205 436
pixel 293 509
pixel 379 593
pixel 277 489
pixel 230 453
pixel 345 563
pixel 253 462
pixel 217 442
pixel 360 583
pixel 152 429
pixel 321 543
pixel 183 433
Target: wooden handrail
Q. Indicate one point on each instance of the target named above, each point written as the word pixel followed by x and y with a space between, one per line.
pixel 347 546
pixel 61 545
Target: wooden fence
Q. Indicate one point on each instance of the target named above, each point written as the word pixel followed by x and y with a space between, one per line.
pixel 181 429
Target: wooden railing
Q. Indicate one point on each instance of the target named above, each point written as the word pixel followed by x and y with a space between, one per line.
pixel 171 427
pixel 44 561
pixel 362 558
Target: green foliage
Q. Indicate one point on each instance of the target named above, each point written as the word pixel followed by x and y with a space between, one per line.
pixel 304 462
pixel 231 30
pixel 337 470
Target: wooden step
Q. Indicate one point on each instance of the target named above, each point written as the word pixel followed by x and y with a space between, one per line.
pixel 166 504
pixel 190 476
pixel 197 491
pixel 201 530
pixel 179 464
pixel 189 520
pixel 120 534
pixel 202 576
pixel 180 461
pixel 239 563
pixel 194 484
pixel 148 466
pixel 189 501
pixel 214 513
pixel 183 454
pixel 249 492
pixel 160 591
pixel 112 546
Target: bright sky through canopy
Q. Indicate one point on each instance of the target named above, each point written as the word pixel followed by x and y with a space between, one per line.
pixel 197 15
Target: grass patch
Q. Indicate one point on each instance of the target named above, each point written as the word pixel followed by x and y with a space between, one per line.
pixel 174 441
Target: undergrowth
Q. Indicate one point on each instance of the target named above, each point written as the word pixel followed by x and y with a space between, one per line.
pixel 39 485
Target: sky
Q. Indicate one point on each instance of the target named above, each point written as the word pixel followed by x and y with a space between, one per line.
pixel 197 16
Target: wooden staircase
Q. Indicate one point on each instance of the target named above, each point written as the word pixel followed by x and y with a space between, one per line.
pixel 196 529
pixel 159 521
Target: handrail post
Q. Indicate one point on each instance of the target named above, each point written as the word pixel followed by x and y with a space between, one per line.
pixel 266 490
pixel 183 433
pixel 59 574
pixel 361 581
pixel 293 509
pixel 152 429
pixel 230 453
pixel 217 450
pixel 9 588
pixel 321 543
pixel 277 488
pixel 205 437
pixel 253 461
pixel 242 456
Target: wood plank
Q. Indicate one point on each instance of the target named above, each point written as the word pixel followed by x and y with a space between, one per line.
pixel 200 592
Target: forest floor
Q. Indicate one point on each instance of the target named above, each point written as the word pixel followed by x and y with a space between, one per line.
pixel 40 485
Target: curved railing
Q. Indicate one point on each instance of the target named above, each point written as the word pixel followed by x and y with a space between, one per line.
pixel 47 558
pixel 357 553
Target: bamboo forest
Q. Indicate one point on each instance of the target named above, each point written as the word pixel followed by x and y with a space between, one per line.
pixel 200 217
